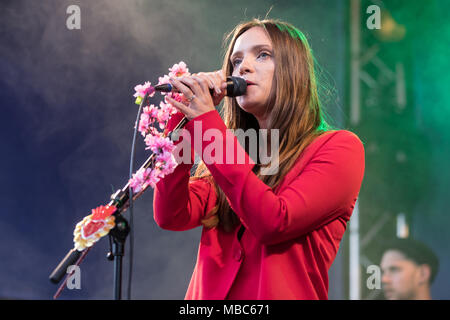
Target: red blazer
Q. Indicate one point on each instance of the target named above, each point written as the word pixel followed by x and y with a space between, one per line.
pixel 292 233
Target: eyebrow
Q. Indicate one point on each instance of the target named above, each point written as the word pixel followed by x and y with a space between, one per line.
pixel 390 268
pixel 253 49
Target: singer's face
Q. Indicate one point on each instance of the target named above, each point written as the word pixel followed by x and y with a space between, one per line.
pixel 252 59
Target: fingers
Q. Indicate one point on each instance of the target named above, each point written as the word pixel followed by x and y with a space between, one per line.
pixel 217 84
pixel 208 80
pixel 192 85
pixel 181 107
pixel 221 84
pixel 203 83
pixel 198 85
pixel 183 86
pixel 221 78
pixel 214 81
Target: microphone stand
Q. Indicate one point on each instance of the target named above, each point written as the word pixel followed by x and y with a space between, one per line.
pixel 118 235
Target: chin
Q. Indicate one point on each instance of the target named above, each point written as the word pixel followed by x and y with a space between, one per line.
pixel 390 296
pixel 249 106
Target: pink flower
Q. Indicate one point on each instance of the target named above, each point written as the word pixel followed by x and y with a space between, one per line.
pixel 162 116
pixel 154 132
pixel 158 144
pixel 138 179
pixel 153 178
pixel 178 70
pixel 168 108
pixel 166 162
pixel 163 80
pixel 176 96
pixel 141 90
pixel 144 123
pixel 149 140
pixel 151 110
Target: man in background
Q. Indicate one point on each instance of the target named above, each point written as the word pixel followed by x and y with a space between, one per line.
pixel 408 267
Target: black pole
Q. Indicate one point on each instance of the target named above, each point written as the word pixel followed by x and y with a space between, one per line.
pixel 119 234
pixel 118 257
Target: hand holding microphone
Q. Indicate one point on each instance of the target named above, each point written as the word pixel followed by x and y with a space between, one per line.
pixel 203 91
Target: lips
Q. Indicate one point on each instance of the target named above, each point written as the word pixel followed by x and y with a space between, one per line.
pixel 387 292
pixel 249 83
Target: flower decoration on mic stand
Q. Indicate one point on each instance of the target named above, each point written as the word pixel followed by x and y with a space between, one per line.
pixel 101 221
pixel 152 118
pixel 94 226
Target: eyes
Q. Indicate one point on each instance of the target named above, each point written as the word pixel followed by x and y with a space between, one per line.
pixel 391 270
pixel 263 55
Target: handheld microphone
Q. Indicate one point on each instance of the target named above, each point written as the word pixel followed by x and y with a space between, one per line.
pixel 235 87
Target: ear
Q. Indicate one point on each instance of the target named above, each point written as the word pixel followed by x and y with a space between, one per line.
pixel 424 273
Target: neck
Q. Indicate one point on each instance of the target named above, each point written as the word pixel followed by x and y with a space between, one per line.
pixel 264 124
pixel 263 120
pixel 423 294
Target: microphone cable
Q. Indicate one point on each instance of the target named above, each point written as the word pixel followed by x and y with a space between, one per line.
pixel 130 200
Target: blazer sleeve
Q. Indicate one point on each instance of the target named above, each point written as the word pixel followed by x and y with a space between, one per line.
pixel 180 203
pixel 329 183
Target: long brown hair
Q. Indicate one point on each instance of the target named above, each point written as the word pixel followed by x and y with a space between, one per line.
pixel 294 106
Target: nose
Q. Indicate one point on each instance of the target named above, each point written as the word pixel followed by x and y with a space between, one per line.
pixel 385 279
pixel 246 66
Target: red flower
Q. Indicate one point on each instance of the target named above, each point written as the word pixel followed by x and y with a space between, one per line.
pixel 100 213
